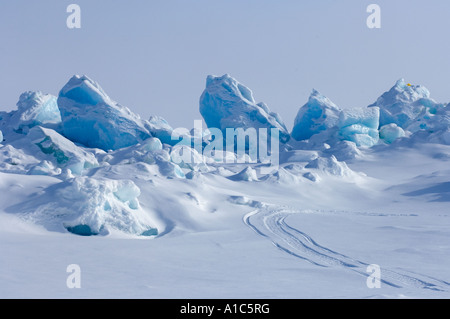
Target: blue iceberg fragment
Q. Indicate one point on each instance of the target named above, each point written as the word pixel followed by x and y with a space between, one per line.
pixel 226 103
pixel 317 115
pixel 91 118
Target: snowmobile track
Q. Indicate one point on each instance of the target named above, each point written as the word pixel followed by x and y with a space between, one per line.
pixel 271 223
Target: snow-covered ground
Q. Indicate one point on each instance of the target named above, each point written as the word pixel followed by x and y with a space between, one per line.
pixel 163 228
pixel 308 241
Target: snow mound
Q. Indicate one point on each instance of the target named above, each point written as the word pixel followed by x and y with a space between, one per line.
pixel 188 158
pixel 144 153
pixel 15 160
pixel 226 103
pixel 195 175
pixel 244 200
pixel 403 103
pixel 360 126
pixel 299 156
pixel 158 159
pixel 317 115
pixel 168 168
pixel 34 108
pixel 60 151
pixel 294 168
pixel 91 118
pixel 330 165
pixel 311 176
pixel 344 151
pixel 390 132
pixel 87 206
pixel 281 176
pixel 248 174
pixel 220 156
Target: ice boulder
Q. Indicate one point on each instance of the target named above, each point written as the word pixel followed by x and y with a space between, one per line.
pixel 1 137
pixel 35 108
pixel 144 152
pixel 359 126
pixel 60 151
pixel 160 159
pixel 195 175
pixel 4 124
pixel 169 169
pixel 294 168
pixel 87 206
pixel 432 120
pixel 151 144
pixel 311 176
pixel 166 166
pixel 403 103
pixel 160 129
pixel 44 168
pixel 243 200
pixel 434 128
pixel 317 115
pixel 344 150
pixel 226 103
pixel 444 137
pixel 330 165
pixel 441 123
pixel 189 158
pixel 16 160
pixel 390 132
pixel 90 117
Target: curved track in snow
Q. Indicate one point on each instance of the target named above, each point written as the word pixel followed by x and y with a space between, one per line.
pixel 271 224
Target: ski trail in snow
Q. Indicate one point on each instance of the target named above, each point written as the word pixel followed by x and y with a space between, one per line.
pixel 271 224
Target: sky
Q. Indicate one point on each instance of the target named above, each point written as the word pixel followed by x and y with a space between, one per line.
pixel 154 56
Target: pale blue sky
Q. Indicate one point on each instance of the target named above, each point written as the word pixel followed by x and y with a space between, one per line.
pixel 154 56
